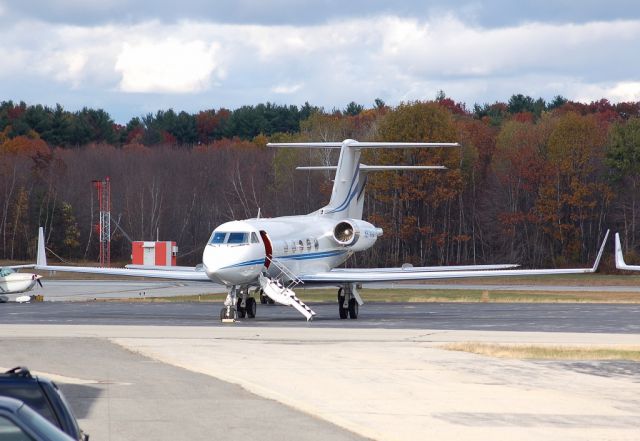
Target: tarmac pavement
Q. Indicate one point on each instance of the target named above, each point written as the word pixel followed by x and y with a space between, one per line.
pixel 118 394
pixel 385 384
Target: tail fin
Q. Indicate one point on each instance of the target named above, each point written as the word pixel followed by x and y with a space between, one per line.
pixel 41 256
pixel 347 196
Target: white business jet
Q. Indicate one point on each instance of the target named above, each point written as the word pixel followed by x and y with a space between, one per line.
pixel 274 255
pixel 12 282
pixel 620 263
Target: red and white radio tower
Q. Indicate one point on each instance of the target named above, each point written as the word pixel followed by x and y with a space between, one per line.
pixel 104 227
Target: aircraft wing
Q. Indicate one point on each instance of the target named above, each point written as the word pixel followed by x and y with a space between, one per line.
pixel 420 269
pixel 31 265
pixel 193 276
pixel 172 268
pixel 184 274
pixel 393 275
pixel 620 263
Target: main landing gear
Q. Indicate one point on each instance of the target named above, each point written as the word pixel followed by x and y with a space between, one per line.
pixel 349 301
pixel 238 304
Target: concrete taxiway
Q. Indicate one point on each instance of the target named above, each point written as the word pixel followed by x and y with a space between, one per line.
pixel 530 317
pixel 383 384
pixel 167 371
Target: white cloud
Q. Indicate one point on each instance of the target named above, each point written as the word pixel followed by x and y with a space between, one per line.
pixel 287 88
pixel 169 66
pixel 451 47
pixel 331 64
pixel 617 92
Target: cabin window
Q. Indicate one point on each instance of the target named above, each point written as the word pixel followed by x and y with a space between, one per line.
pixel 238 238
pixel 254 238
pixel 285 248
pixel 218 238
pixel 300 246
pixel 316 245
pixel 308 244
pixel 293 246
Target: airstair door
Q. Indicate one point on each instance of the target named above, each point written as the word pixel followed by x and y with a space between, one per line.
pixel 268 249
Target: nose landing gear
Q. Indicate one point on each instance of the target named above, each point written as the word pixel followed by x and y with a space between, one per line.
pixel 238 304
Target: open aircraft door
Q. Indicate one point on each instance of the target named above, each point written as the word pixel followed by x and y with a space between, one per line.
pixel 268 249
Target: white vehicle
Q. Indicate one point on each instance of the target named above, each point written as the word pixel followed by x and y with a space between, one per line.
pixel 274 255
pixel 620 264
pixel 12 282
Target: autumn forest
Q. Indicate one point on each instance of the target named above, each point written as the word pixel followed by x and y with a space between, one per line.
pixel 536 183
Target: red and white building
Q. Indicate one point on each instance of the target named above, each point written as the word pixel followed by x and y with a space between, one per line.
pixel 154 253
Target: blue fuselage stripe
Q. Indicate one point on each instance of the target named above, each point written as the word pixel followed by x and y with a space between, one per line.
pixel 318 255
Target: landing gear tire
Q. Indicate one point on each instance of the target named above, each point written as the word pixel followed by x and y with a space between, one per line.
pixel 251 307
pixel 341 309
pixel 241 311
pixel 353 308
pixel 230 314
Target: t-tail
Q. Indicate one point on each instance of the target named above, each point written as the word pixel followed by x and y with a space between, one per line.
pixel 347 196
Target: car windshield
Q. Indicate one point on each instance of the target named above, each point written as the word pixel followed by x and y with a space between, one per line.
pixel 42 426
pixel 66 404
pixel 33 396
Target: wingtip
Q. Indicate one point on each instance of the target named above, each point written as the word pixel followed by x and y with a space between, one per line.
pixel 620 263
pixel 41 256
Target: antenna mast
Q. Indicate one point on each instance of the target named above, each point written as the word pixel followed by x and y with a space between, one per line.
pixel 104 226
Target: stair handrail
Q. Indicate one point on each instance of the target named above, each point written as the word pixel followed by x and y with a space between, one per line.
pixel 293 279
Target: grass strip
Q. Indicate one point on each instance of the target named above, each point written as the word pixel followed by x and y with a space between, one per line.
pixel 547 352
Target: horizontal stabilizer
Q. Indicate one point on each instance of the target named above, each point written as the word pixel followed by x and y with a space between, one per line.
pixel 347 195
pixel 372 168
pixel 365 145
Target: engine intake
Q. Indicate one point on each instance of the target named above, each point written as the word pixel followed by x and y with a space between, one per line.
pixel 356 234
pixel 345 233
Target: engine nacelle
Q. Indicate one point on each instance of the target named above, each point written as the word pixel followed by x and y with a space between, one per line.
pixel 356 234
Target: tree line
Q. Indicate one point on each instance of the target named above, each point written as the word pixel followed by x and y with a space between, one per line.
pixel 534 183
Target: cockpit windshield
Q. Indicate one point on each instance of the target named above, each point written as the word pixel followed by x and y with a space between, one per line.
pixel 238 238
pixel 218 238
pixel 230 238
pixel 6 271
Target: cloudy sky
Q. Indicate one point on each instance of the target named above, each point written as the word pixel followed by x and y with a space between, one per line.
pixel 134 57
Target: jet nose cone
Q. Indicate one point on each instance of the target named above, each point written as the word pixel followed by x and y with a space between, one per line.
pixel 238 265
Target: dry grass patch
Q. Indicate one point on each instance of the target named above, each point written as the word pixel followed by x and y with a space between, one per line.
pixel 548 352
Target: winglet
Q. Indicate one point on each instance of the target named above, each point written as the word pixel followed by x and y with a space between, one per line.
pixel 620 263
pixel 41 256
pixel 597 263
